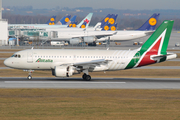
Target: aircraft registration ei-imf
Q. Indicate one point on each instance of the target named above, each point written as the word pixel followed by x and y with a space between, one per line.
pixel 65 63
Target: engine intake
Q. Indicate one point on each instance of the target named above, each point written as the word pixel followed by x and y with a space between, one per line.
pixel 89 39
pixel 63 71
pixel 75 41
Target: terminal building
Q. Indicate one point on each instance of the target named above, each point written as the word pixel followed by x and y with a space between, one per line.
pixel 3 29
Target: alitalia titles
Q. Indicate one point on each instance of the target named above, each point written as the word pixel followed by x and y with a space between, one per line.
pixel 43 60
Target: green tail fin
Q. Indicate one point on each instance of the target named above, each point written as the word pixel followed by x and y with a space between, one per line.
pixel 159 40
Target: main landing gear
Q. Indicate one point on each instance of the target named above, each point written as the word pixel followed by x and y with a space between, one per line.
pixel 86 77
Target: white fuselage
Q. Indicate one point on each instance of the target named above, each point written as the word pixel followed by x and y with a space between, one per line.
pixel 68 33
pixel 126 35
pixel 49 58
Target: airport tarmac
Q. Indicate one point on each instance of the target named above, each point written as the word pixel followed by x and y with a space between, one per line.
pixel 95 83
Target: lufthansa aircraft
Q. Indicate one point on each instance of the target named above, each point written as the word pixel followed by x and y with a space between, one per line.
pixel 65 63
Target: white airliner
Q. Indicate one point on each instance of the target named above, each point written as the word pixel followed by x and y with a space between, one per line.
pixel 65 63
pixel 66 34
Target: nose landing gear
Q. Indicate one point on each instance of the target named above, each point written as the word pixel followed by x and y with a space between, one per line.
pixel 30 73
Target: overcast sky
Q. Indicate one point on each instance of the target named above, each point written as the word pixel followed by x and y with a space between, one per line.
pixel 117 4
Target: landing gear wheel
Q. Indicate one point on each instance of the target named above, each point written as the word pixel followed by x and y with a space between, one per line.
pixel 84 76
pixel 29 77
pixel 88 78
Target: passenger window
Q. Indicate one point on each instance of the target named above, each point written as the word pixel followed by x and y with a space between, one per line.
pixel 19 56
pixel 15 56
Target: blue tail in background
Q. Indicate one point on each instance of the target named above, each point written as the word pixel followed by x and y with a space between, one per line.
pixel 72 22
pixel 51 21
pixel 110 19
pixel 73 19
pixel 64 20
pixel 151 23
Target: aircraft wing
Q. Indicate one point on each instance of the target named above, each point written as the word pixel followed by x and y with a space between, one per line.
pixel 100 61
pixel 97 34
pixel 89 64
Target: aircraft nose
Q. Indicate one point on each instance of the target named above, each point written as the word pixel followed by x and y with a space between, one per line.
pixel 7 62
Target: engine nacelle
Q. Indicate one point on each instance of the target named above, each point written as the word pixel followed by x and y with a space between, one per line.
pixel 63 71
pixel 89 39
pixel 75 41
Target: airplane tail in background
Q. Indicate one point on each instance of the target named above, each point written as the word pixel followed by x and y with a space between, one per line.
pixel 72 22
pixel 51 21
pixel 85 22
pixel 73 19
pixel 151 23
pixel 109 19
pixel 108 23
pixel 64 20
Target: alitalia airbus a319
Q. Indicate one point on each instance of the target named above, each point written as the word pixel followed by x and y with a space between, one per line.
pixel 65 63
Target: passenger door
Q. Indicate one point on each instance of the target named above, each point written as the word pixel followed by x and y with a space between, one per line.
pixel 30 57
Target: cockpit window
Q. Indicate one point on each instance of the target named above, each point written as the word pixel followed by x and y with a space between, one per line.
pixel 19 56
pixel 12 55
pixel 16 56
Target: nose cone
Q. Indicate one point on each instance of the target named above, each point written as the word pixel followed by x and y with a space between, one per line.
pixel 7 62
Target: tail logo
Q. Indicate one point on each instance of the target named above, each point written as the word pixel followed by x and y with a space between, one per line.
pixel 106 19
pixel 74 25
pixel 67 20
pixel 86 20
pixel 52 19
pixel 111 21
pixel 83 26
pixel 152 21
pixel 70 25
pixel 106 27
pixel 113 28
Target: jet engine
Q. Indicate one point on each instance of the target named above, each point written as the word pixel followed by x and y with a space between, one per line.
pixel 64 71
pixel 89 39
pixel 75 41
